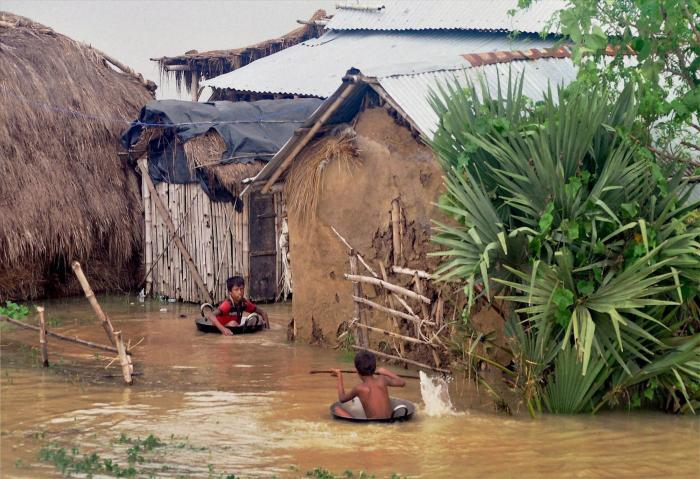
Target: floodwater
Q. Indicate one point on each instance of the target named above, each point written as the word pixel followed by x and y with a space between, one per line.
pixel 247 405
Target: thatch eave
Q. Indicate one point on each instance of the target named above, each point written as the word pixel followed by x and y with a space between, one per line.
pixel 210 64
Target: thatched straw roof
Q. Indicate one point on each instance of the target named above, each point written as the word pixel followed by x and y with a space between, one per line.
pixel 217 62
pixel 64 192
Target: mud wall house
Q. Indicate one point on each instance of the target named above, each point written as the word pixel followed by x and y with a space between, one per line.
pixel 64 192
pixel 370 175
pixel 189 69
pixel 196 157
pixel 361 164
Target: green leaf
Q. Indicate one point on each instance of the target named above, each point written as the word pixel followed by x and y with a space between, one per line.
pixel 585 287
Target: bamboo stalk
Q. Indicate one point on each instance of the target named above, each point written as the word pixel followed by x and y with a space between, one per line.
pixel 387 285
pixel 396 230
pixel 42 337
pixel 171 227
pixel 411 272
pixel 405 360
pixel 359 256
pixel 90 295
pixel 384 309
pixel 357 310
pixel 62 337
pixel 350 371
pixel 123 359
pixel 148 247
pixel 395 335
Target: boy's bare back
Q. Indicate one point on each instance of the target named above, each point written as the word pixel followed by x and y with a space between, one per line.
pixel 373 391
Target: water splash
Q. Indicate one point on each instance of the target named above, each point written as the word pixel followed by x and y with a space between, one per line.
pixel 436 396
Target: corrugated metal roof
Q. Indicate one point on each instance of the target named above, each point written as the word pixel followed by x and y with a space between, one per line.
pixel 411 92
pixel 444 15
pixel 316 67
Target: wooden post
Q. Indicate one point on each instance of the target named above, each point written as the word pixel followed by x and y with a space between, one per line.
pixel 390 299
pixel 195 84
pixel 124 360
pixel 42 337
pixel 396 230
pixel 90 295
pixel 362 336
pixel 173 231
pixel 417 282
pixel 148 247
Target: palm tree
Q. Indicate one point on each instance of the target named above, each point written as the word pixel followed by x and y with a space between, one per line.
pixel 560 210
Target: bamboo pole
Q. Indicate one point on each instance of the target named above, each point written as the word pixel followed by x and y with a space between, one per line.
pixel 384 309
pixel 389 286
pixel 123 358
pixel 42 337
pixel 171 227
pixel 308 136
pixel 411 272
pixel 357 310
pixel 90 295
pixel 62 337
pixel 395 335
pixel 418 285
pixel 396 230
pixel 148 253
pixel 405 360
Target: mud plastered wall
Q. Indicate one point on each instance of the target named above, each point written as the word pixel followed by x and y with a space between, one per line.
pixel 357 202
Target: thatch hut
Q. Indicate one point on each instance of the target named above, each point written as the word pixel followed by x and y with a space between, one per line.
pixel 188 69
pixel 64 192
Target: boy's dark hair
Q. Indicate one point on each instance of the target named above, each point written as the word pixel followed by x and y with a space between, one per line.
pixel 234 281
pixel 365 363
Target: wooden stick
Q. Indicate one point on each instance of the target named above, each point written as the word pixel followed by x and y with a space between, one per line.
pixel 393 321
pixel 148 256
pixel 123 358
pixel 73 339
pixel 389 286
pixel 396 230
pixel 405 305
pixel 90 295
pixel 173 231
pixel 350 371
pixel 411 272
pixel 42 337
pixel 395 335
pixel 384 309
pixel 362 336
pixel 405 360
pixel 359 256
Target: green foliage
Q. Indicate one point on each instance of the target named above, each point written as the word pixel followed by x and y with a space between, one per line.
pixel 558 211
pixel 661 40
pixel 14 310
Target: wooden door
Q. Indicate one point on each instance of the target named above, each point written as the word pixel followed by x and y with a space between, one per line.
pixel 262 279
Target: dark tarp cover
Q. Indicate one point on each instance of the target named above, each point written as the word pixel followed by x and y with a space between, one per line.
pixel 251 131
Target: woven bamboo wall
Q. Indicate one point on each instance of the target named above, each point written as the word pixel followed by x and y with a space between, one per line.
pixel 213 233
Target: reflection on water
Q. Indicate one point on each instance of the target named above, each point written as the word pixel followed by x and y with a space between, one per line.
pixel 246 404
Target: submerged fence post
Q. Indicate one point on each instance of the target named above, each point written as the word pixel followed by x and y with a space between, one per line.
pixel 43 345
pixel 123 358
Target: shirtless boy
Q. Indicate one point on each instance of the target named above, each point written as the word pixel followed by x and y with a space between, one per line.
pixel 373 391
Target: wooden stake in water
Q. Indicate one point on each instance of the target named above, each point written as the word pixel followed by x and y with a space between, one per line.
pixel 124 360
pixel 90 295
pixel 43 345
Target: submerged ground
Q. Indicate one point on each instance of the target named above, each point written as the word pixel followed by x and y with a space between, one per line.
pixel 247 406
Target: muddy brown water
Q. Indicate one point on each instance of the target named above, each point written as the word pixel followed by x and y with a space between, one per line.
pixel 247 405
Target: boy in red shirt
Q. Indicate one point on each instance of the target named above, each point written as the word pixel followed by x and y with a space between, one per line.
pixel 232 308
